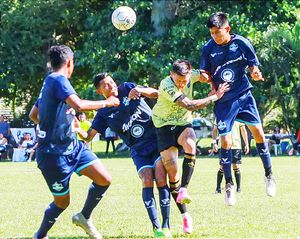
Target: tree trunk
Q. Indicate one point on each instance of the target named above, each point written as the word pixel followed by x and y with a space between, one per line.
pixel 162 12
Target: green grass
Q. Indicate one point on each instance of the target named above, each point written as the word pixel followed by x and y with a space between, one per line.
pixel 121 214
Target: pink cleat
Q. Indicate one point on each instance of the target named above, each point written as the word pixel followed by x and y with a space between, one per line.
pixel 183 197
pixel 187 224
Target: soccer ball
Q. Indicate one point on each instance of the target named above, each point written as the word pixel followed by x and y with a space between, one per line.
pixel 123 18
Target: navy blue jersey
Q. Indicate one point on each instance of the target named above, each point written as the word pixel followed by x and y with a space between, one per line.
pixel 131 120
pixel 228 63
pixel 56 135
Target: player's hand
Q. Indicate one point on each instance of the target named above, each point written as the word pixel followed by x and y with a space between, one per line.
pixel 222 89
pixel 112 101
pixel 76 124
pixel 215 148
pixel 256 74
pixel 246 149
pixel 134 94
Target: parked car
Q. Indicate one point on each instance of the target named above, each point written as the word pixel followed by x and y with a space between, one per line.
pixel 202 127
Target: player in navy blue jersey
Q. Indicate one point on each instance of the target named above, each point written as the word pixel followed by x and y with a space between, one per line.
pixel 132 121
pixel 59 153
pixel 226 58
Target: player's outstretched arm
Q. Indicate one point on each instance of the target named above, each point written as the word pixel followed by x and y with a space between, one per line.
pixel 148 92
pixel 256 73
pixel 83 105
pixel 34 114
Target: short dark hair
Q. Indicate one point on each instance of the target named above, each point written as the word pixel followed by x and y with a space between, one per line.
pixel 218 19
pixel 181 67
pixel 99 78
pixel 59 55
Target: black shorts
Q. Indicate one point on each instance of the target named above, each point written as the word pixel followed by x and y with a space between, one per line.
pixel 236 156
pixel 168 135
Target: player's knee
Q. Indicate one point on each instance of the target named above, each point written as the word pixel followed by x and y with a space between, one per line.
pixel 147 182
pixel 160 181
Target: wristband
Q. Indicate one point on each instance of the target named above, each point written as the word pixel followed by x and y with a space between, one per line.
pixel 213 98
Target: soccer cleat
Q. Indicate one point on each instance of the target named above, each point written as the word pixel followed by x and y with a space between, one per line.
pixel 229 194
pixel 36 237
pixel 238 190
pixel 158 233
pixel 270 185
pixel 187 224
pixel 183 197
pixel 167 233
pixel 218 190
pixel 87 225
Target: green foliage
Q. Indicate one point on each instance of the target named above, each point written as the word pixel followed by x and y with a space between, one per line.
pixel 29 27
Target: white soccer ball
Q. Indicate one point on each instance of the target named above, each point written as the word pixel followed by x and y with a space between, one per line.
pixel 123 18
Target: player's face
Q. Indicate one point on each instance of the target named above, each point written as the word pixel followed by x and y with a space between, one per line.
pixel 179 80
pixel 220 35
pixel 108 87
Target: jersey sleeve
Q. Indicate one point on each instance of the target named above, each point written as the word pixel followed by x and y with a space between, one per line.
pixel 63 88
pixel 99 124
pixel 204 59
pixel 168 90
pixel 249 52
pixel 195 76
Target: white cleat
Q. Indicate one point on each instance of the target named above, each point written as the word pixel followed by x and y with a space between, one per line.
pixel 270 185
pixel 187 224
pixel 87 225
pixel 229 194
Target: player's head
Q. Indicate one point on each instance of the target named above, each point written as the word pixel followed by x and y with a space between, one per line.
pixel 218 25
pixel 61 56
pixel 181 72
pixel 105 85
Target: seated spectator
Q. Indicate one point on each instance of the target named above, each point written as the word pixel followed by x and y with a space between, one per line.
pixel 28 145
pixel 296 145
pixel 3 145
pixel 275 138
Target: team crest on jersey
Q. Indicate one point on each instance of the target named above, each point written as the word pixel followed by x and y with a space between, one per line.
pixel 233 47
pixel 126 101
pixel 137 131
pixel 57 186
pixel 227 75
pixel 221 125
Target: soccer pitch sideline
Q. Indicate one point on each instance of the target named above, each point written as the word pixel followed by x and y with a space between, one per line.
pixel 121 213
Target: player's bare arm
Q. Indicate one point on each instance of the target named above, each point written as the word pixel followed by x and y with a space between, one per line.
pixel 256 73
pixel 87 136
pixel 148 92
pixel 192 105
pixel 34 114
pixel 83 105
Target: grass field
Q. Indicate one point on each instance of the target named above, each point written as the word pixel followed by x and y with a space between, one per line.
pixel 121 214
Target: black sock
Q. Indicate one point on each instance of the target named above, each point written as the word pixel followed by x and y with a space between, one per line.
pixel 174 189
pixel 237 174
pixel 187 169
pixel 219 178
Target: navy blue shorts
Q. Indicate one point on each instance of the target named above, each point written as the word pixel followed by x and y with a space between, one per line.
pixel 146 157
pixel 242 109
pixel 57 169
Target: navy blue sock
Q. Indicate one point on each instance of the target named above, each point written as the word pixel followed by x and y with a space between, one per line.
pixel 265 156
pixel 51 214
pixel 149 201
pixel 226 158
pixel 95 194
pixel 164 198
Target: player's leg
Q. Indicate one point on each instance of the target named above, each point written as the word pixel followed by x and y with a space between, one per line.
pixel 57 174
pixel 187 139
pixel 219 179
pixel 90 166
pixel 263 150
pixel 236 161
pixel 164 195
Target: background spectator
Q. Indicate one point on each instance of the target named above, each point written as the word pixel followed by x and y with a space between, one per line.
pixel 275 138
pixel 296 145
pixel 83 123
pixel 28 145
pixel 3 145
pixel 110 136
